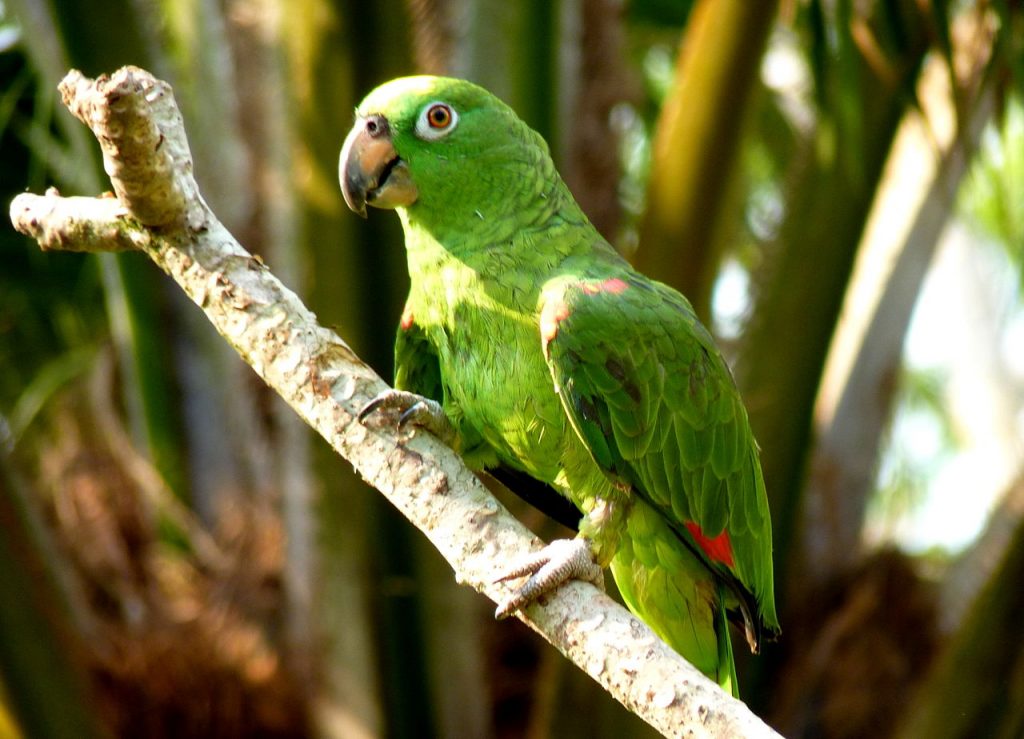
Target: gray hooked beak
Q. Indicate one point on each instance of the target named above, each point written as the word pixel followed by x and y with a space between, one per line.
pixel 370 170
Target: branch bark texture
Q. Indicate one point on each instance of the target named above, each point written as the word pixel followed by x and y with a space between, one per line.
pixel 160 212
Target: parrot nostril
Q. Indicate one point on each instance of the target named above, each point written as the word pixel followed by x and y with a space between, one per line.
pixel 376 126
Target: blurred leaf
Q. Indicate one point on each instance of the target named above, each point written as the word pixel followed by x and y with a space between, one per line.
pixel 50 378
pixel 40 660
pixel 12 94
pixel 670 13
pixel 994 197
pixel 921 408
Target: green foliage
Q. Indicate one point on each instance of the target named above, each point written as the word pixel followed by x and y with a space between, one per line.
pixel 994 197
pixel 668 13
pixel 920 436
pixel 50 305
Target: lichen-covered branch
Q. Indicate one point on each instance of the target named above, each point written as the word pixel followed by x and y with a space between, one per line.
pixel 160 212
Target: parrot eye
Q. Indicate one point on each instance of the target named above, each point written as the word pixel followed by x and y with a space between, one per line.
pixel 436 120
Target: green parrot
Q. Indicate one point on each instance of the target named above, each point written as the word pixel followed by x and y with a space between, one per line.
pixel 541 355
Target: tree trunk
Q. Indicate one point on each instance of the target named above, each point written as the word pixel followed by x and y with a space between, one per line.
pixel 852 420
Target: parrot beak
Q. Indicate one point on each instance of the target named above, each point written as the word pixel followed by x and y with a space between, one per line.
pixel 370 170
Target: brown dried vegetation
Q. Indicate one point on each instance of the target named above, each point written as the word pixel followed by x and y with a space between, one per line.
pixel 178 625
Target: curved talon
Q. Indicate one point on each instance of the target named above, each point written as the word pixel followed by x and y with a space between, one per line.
pixel 371 407
pixel 390 400
pixel 414 410
pixel 415 414
pixel 557 563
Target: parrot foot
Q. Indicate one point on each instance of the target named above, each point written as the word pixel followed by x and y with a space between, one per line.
pixel 557 563
pixel 414 411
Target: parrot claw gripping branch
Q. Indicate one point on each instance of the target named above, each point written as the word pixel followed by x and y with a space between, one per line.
pixel 157 209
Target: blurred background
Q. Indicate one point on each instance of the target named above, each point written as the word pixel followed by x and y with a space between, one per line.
pixel 837 185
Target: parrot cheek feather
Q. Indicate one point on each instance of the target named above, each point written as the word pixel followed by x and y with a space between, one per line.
pixel 718 548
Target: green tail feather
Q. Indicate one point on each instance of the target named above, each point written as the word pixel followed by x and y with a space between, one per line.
pixel 726 663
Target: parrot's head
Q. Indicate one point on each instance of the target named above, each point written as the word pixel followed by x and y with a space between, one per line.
pixel 444 152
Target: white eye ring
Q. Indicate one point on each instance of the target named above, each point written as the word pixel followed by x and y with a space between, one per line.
pixel 436 121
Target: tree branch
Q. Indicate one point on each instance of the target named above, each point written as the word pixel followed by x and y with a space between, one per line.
pixel 160 212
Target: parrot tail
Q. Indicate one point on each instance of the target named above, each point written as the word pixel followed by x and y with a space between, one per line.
pixel 726 664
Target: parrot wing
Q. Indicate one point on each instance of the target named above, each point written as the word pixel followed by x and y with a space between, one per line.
pixel 416 365
pixel 649 394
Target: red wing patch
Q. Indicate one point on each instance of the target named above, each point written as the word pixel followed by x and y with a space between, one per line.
pixel 718 548
pixel 553 313
pixel 612 285
pixel 407 320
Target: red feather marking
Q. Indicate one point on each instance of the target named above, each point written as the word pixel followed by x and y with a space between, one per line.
pixel 553 313
pixel 718 548
pixel 612 285
pixel 407 320
pixel 615 286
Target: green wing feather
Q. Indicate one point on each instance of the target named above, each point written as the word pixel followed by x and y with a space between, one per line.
pixel 417 368
pixel 647 391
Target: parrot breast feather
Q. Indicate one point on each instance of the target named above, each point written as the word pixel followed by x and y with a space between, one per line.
pixel 654 402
